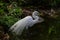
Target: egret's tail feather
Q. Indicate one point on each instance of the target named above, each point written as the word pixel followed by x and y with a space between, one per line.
pixel 12 27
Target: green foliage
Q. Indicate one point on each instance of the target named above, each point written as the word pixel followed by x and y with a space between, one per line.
pixel 55 3
pixel 8 20
pixel 9 14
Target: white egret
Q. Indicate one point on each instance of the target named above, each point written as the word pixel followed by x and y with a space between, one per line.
pixel 26 22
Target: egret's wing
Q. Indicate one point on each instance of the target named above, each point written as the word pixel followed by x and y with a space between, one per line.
pixel 20 25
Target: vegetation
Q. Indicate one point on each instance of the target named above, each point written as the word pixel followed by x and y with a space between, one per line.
pixel 11 11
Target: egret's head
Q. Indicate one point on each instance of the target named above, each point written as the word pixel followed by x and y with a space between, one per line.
pixel 35 13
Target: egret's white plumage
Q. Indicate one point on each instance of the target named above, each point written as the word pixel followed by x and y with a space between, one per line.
pixel 26 22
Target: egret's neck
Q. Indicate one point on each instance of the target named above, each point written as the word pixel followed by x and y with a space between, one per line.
pixel 35 16
pixel 36 19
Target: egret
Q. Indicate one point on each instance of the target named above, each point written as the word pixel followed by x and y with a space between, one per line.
pixel 26 22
